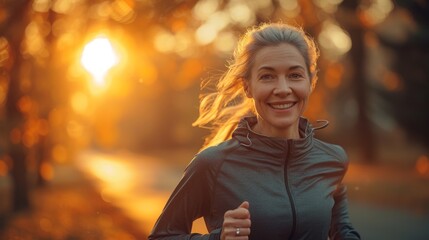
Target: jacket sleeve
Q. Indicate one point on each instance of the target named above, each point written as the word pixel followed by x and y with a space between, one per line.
pixel 190 200
pixel 341 227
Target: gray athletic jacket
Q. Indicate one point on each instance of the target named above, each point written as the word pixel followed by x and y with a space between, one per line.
pixel 293 186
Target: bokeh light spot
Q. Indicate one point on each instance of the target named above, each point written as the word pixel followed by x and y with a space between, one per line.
pixel 225 42
pixel 41 5
pixel 59 153
pixel 2 94
pixel 422 165
pixel 391 81
pixel 29 138
pixel 4 51
pixel 203 9
pixel 290 8
pixel 25 104
pixel 46 171
pixel 334 40
pixel 241 13
pixel 164 41
pixel 377 11
pixel 205 34
pixel 122 11
pixel 329 6
pixel 4 169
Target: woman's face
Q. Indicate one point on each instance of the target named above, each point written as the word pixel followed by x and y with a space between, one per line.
pixel 280 87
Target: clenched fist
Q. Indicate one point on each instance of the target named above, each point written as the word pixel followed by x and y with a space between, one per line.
pixel 236 223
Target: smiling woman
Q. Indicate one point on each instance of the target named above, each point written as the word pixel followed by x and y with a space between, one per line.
pixel 98 57
pixel 262 174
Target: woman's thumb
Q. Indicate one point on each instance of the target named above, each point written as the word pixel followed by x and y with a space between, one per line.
pixel 244 204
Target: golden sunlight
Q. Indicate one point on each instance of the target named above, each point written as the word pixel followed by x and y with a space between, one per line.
pixel 98 57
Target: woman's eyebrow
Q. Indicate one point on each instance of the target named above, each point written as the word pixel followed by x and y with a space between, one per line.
pixel 294 67
pixel 297 67
pixel 266 68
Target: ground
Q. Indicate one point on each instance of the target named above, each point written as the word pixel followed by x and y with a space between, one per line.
pixel 70 210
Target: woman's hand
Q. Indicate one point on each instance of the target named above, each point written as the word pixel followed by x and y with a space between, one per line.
pixel 236 223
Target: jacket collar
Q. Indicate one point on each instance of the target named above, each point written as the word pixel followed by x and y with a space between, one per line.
pixel 275 146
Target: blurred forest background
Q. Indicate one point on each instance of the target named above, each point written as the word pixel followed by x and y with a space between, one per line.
pixel 112 75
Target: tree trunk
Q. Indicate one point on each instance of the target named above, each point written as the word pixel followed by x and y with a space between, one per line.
pixel 16 149
pixel 363 131
pixel 13 29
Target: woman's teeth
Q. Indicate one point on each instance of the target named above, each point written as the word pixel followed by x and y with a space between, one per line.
pixel 282 106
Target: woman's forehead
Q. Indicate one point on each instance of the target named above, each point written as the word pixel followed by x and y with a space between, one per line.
pixel 283 55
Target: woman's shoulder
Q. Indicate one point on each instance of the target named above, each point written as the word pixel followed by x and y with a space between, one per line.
pixel 331 149
pixel 217 153
pixel 213 156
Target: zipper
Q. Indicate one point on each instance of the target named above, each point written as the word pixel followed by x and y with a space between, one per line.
pixel 292 204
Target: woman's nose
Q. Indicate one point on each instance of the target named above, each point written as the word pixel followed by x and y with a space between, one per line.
pixel 282 87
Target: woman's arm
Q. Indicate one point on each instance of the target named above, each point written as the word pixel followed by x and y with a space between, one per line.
pixel 190 200
pixel 341 227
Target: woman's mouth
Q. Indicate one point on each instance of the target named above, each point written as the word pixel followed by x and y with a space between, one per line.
pixel 282 106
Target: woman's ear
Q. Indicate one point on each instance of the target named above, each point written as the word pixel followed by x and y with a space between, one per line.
pixel 246 88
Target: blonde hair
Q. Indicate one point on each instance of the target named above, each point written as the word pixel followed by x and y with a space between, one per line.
pixel 221 111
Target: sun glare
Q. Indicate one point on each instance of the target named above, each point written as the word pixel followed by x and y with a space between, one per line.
pixel 98 57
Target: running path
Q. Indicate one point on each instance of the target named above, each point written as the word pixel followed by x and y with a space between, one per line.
pixel 139 185
pixel 377 223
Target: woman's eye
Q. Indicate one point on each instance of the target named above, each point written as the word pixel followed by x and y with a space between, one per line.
pixel 295 75
pixel 266 77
